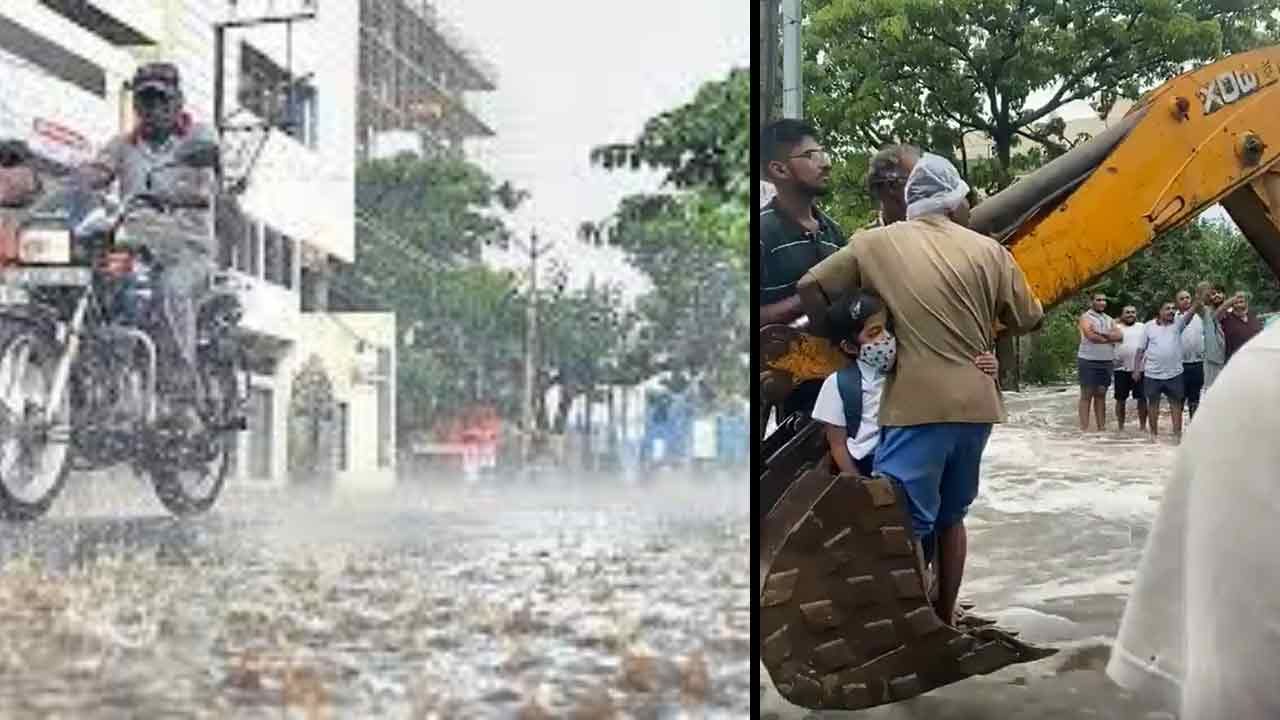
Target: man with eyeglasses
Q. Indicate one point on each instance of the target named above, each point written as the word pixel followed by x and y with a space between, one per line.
pixel 794 234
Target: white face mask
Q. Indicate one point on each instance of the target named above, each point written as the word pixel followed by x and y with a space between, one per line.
pixel 880 353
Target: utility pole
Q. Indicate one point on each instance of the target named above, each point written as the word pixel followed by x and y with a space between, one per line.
pixel 535 250
pixel 792 88
pixel 770 35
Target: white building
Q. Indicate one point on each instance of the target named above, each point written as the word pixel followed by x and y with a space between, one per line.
pixel 65 64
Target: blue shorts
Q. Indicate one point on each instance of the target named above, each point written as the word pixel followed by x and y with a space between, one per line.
pixel 937 466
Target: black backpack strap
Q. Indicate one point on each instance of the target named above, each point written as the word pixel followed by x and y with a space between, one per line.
pixel 849 383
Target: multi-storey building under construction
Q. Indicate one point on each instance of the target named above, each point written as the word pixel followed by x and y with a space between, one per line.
pixel 414 70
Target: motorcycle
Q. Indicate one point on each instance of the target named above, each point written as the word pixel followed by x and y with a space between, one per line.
pixel 79 317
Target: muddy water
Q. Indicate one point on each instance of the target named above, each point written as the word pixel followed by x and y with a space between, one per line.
pixel 1054 542
pixel 580 600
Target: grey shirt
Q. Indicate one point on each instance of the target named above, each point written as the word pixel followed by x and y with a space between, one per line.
pixel 1162 348
pixel 1090 350
pixel 1215 345
pixel 130 159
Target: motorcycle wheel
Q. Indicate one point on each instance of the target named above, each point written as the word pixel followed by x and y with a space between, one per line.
pixel 35 457
pixel 190 490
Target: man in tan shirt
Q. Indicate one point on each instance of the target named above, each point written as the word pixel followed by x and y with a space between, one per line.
pixel 945 287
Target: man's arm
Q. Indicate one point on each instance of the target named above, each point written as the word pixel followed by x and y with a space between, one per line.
pixel 1093 336
pixel 781 312
pixel 1226 306
pixel 1017 307
pixel 1142 352
pixel 834 276
pixel 1180 320
pixel 1202 294
pixel 101 171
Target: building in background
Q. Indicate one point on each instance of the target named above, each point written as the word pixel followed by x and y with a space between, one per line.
pixel 65 65
pixel 414 71
pixel 62 79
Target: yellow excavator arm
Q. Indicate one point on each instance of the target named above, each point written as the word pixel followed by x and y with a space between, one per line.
pixel 846 618
pixel 1208 136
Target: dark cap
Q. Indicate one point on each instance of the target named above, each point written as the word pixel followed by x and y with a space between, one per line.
pixel 159 76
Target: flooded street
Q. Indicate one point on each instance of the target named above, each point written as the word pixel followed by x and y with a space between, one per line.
pixel 1054 542
pixel 490 601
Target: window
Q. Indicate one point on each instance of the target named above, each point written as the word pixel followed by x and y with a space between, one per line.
pixel 261 82
pixel 385 405
pixel 268 91
pixel 271 259
pixel 302 114
pixel 344 436
pixel 288 251
pixel 260 433
pixel 254 256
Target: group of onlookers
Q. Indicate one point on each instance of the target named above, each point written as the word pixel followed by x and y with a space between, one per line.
pixel 1176 355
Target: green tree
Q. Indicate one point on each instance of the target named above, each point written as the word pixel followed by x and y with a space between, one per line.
pixel 926 71
pixel 691 241
pixel 704 149
pixel 422 224
pixel 582 332
pixel 443 205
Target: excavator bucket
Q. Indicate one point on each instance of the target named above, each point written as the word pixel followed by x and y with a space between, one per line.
pixel 845 615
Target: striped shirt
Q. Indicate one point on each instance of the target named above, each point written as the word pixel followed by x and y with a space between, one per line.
pixel 788 250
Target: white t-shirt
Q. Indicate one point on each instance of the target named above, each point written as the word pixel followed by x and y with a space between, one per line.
pixel 1202 628
pixel 829 409
pixel 1127 353
pixel 1162 349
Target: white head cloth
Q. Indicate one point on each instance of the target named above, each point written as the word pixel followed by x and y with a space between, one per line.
pixel 934 186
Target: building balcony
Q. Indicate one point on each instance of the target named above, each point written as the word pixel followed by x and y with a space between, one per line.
pixel 270 310
pixel 119 22
pixel 300 191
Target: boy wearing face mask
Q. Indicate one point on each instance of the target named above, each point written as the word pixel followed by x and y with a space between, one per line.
pixel 849 401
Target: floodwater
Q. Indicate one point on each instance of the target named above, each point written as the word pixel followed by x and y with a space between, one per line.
pixel 588 599
pixel 1054 543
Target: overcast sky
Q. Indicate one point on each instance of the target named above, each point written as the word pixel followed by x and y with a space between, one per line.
pixel 573 74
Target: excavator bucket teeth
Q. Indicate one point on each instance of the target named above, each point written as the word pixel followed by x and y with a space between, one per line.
pixel 845 620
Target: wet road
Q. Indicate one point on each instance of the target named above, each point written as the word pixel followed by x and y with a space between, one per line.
pixel 582 600
pixel 1054 542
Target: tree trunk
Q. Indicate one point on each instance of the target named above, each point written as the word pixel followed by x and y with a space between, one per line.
pixel 612 445
pixel 588 445
pixel 1006 345
pixel 562 410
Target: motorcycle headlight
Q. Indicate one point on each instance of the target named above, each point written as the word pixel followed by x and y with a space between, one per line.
pixel 44 247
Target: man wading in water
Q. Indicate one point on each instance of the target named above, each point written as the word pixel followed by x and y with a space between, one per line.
pixel 1096 360
pixel 1159 365
pixel 1127 383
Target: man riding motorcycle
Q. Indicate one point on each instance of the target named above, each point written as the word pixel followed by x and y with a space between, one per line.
pixel 182 239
